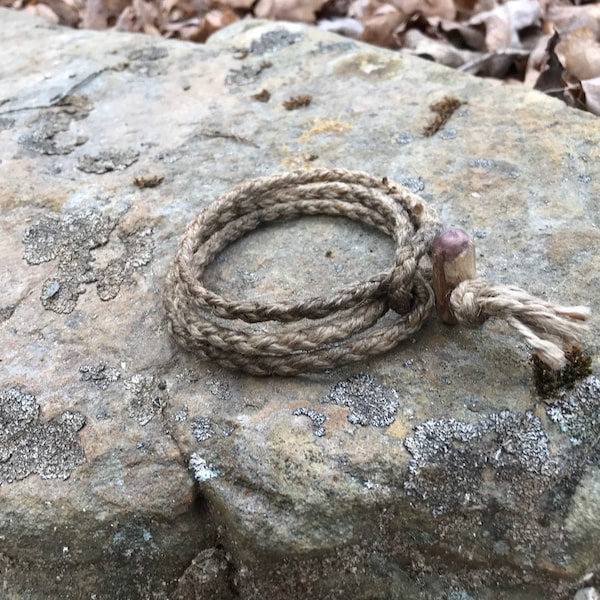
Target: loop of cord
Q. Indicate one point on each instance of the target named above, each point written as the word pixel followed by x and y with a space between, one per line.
pixel 353 323
pixel 322 332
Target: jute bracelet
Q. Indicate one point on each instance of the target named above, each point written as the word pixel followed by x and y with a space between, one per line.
pixel 359 320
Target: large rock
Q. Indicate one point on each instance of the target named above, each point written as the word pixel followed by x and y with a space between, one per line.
pixel 131 469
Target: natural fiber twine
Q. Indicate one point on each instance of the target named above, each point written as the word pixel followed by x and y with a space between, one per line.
pixel 346 326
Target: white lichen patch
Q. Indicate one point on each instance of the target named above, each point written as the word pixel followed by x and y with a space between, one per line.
pixel 51 449
pixel 202 470
pixel 577 412
pixel 368 401
pixel 148 397
pixel 69 240
pixel 449 458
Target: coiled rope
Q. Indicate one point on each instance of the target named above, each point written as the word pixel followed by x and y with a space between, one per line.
pixel 347 326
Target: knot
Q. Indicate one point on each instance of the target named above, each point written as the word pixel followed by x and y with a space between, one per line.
pixel 548 328
pixel 401 290
pixel 465 301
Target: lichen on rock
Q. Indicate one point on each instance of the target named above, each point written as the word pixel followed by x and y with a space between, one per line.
pixel 69 239
pixel 100 375
pixel 107 160
pixel 54 120
pixel 202 428
pixel 577 411
pixel 318 419
pixel 449 458
pixel 50 449
pixel 148 397
pixel 368 401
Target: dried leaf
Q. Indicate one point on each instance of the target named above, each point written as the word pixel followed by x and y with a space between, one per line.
pixel 551 79
pixel 573 93
pixel 289 10
pixel 440 52
pixel 568 18
pixel 580 53
pixel 504 22
pixel 140 17
pixel 465 5
pixel 359 9
pixel 41 10
pixel 347 27
pixel 538 58
pixel 180 11
pixel 237 4
pixel 217 19
pixel 591 88
pixel 444 9
pixel 101 14
pixel 461 35
pixel 380 27
pixel 497 64
pixel 67 11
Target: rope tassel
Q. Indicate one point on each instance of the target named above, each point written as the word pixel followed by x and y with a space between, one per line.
pixel 548 328
pixel 462 298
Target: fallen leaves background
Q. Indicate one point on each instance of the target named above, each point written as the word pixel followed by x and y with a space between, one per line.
pixel 550 45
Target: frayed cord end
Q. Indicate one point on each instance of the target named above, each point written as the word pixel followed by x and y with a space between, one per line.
pixel 548 328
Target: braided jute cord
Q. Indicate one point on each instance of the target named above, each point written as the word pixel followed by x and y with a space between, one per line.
pixel 351 324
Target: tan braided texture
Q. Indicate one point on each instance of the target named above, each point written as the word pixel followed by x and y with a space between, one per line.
pixel 322 332
pixel 548 328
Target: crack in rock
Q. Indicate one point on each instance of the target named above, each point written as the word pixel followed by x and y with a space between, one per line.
pixel 69 239
pixel 51 449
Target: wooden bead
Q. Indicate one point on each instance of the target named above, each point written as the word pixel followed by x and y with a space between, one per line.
pixel 453 259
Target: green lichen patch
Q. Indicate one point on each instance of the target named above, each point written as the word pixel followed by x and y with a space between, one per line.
pixel 51 449
pixel 69 239
pixel 449 458
pixel 368 401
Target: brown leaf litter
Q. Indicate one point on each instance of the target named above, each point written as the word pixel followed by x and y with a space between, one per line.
pixel 549 45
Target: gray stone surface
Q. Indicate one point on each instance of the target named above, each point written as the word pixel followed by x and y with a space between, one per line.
pixel 130 469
